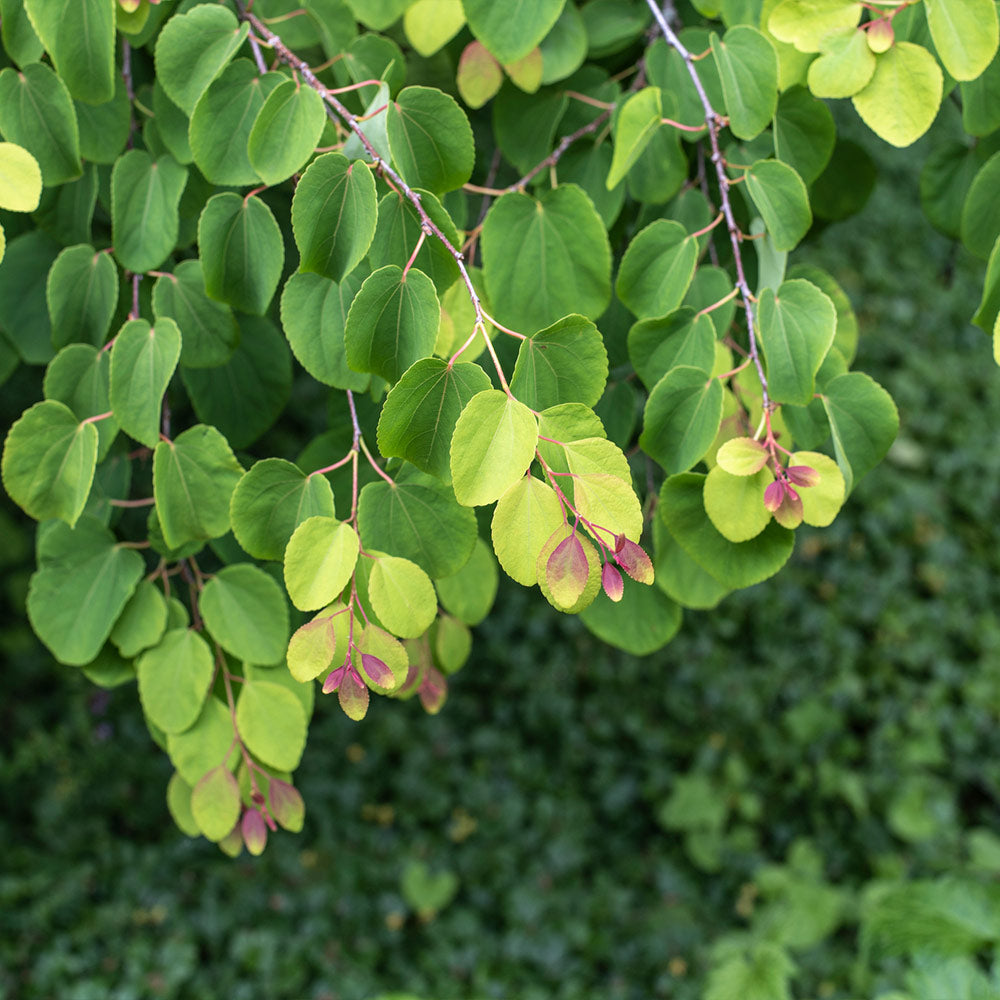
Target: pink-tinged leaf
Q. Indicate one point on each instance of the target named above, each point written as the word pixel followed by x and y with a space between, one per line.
pixel 433 691
pixel 802 475
pixel 287 806
pixel 254 832
pixel 633 559
pixel 620 541
pixel 789 513
pixel 567 570
pixel 611 581
pixel 334 680
pixel 774 495
pixel 376 672
pixel 479 75
pixel 353 695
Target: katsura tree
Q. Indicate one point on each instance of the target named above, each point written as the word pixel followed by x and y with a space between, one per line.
pixel 342 307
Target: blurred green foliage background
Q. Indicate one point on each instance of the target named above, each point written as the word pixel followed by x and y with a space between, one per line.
pixel 798 797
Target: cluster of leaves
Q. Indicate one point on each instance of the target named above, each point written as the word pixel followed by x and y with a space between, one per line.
pixel 175 180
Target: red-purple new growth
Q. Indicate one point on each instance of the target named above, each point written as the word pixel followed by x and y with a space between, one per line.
pixel 334 679
pixel 774 495
pixel 254 831
pixel 633 559
pixel 802 475
pixel 377 671
pixel 287 806
pixel 567 570
pixel 433 691
pixel 611 581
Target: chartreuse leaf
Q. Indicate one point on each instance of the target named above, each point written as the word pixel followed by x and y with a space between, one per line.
pixel 681 418
pixel 82 294
pixel 679 338
pixel 393 322
pixel 820 503
pixel 145 196
pixel 657 269
pixel 510 29
pixel 209 331
pixel 142 361
pixel 36 112
pixel 965 34
pixel 215 800
pixel 903 96
pixel 564 363
pixel 272 724
pixel 334 211
pixel 430 139
pixel 48 462
pixel 637 121
pixel 242 252
pixel 469 593
pixel 79 376
pixel 222 119
pixel 523 521
pixel 193 479
pixel 493 444
pixel 742 456
pixel 286 131
pixel 421 411
pixel 748 70
pixel 402 596
pixel 863 422
pixel 431 24
pixel 174 679
pixel 20 179
pixel 797 325
pixel 734 564
pixel 80 38
pixel 586 589
pixel 980 221
pixel 421 522
pixel 179 803
pixel 735 504
pixel 319 644
pixel 644 621
pixel 193 48
pixel 545 258
pixel 271 500
pixel 780 196
pixel 845 66
pixel 319 561
pixel 479 75
pixel 806 24
pixel 84 579
pixel 245 611
pixel 205 744
pixel 143 620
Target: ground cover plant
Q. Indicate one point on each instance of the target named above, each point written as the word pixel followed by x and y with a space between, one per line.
pixel 342 310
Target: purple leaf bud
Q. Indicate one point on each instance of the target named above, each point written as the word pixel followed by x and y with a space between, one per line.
pixel 774 494
pixel 802 475
pixel 611 581
pixel 254 832
pixel 353 695
pixel 633 559
pixel 334 680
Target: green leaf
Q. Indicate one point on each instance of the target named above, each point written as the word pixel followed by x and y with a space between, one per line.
pixel 430 139
pixel 980 220
pixel 48 462
pixel 421 522
pixel 469 593
pixel 735 504
pixel 172 126
pixel 420 413
pixel 981 101
pixel 393 322
pixel 272 723
pixel 681 578
pixel 945 180
pixel 19 38
pixel 104 128
pixel 748 70
pixel 193 48
pixel 145 196
pixel 965 33
pixel 174 679
pixel 79 376
pixel 493 444
pixel 564 48
pixel 989 305
pixel 83 581
pixel 524 519
pixel 314 315
pixel 734 564
pixel 804 133
pixel 637 122
pixel 904 94
pixel 657 269
pixel 564 363
pixel 679 338
pixel 142 361
pixel 143 620
pixel 179 804
pixel 797 326
pixel 36 112
pixel 286 131
pixel 846 337
pixel 762 975
pixel 402 596
pixel 644 621
pixel 374 130
pixel 511 29
pixel 222 119
pixel 333 215
pixel 24 313
pixel 80 38
pixel 205 744
pixel 193 479
pixel 209 331
pixel 681 418
pixel 242 252
pixel 20 179
pixel 545 258
pixel 82 294
pixel 845 66
pixel 807 24
pixel 525 124
pixel 215 802
pixel 245 611
pixel 781 198
pixel 319 561
pixel 271 500
pixel 863 421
